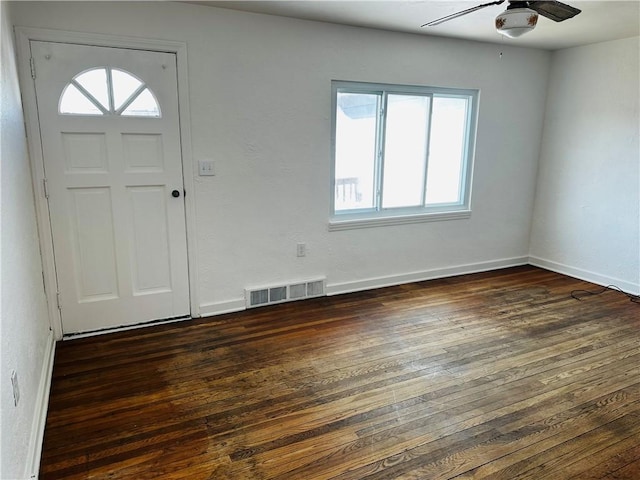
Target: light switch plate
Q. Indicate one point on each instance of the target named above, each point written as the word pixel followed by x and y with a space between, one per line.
pixel 206 168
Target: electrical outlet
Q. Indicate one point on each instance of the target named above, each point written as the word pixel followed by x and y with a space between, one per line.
pixel 206 168
pixel 301 249
pixel 15 387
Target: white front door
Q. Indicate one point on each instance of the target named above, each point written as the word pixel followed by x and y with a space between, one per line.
pixel 111 146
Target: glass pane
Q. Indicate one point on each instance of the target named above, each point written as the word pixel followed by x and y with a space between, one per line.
pixel 123 84
pixel 356 127
pixel 73 101
pixel 144 105
pixel 405 150
pixel 446 156
pixel 95 82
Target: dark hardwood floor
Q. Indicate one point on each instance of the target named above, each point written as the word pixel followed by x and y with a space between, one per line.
pixel 498 375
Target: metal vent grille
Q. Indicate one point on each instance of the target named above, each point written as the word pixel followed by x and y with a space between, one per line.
pixel 259 297
pixel 297 290
pixel 315 288
pixel 256 297
pixel 277 294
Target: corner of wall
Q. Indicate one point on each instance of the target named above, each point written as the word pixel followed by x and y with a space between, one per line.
pixel 586 218
pixel 27 339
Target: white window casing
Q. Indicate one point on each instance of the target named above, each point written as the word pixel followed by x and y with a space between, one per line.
pixel 400 154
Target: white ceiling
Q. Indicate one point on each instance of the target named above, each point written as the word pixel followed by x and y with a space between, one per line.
pixel 599 21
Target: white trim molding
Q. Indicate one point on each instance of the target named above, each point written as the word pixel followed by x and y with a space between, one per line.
pixel 387 281
pixel 336 224
pixel 24 35
pixel 219 308
pixel 40 414
pixel 586 275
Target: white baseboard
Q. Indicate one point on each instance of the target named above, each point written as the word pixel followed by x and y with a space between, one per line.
pixel 230 306
pixel 586 275
pixel 40 415
pixel 218 308
pixel 387 281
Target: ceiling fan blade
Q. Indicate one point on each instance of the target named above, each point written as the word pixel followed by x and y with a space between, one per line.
pixel 464 12
pixel 556 11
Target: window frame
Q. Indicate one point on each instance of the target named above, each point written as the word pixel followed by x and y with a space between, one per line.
pixel 378 215
pixel 109 110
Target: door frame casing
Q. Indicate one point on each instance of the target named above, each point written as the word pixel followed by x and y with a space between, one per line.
pixel 24 35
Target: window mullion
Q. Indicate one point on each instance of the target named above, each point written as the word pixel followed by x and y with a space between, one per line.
pixel 382 128
pixel 89 97
pixel 427 152
pixel 131 99
pixel 110 90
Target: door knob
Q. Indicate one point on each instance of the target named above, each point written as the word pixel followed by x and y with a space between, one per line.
pixel 175 193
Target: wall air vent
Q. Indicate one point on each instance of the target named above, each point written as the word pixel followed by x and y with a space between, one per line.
pixel 256 297
pixel 277 294
pixel 297 290
pixel 259 297
pixel 315 288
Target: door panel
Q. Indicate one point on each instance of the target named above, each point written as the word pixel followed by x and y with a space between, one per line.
pixel 85 152
pixel 111 147
pixel 92 243
pixel 142 152
pixel 150 240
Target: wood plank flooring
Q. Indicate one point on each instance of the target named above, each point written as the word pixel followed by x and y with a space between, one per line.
pixel 498 375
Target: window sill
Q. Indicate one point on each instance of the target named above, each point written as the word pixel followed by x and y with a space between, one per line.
pixel 351 223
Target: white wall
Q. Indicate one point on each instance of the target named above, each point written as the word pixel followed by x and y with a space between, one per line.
pixel 587 210
pixel 260 107
pixel 26 339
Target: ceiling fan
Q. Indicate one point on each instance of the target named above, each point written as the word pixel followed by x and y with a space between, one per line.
pixel 519 17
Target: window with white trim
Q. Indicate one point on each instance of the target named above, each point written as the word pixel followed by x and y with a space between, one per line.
pixel 108 91
pixel 401 153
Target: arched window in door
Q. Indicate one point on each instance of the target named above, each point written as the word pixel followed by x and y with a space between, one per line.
pixel 108 91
